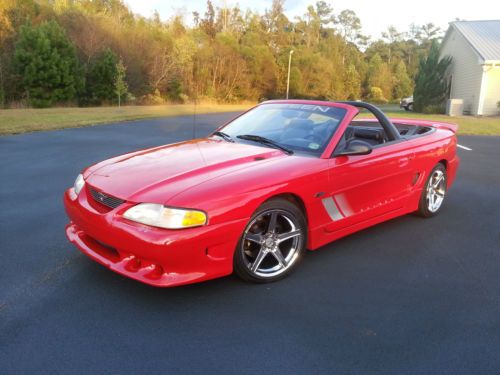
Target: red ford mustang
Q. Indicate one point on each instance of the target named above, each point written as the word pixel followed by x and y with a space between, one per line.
pixel 283 177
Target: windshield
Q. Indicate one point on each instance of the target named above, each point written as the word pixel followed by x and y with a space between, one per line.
pixel 299 127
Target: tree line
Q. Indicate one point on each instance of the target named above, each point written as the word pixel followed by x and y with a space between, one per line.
pixel 98 52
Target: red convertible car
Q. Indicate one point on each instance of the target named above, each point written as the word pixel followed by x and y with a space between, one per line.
pixel 283 177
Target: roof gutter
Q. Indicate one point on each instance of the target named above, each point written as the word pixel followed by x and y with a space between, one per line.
pixel 492 63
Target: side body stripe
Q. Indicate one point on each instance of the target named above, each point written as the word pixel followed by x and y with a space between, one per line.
pixel 332 209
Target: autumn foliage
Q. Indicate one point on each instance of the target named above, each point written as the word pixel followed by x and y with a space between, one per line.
pixel 95 52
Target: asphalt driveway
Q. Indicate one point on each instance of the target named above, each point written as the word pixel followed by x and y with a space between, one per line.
pixel 410 296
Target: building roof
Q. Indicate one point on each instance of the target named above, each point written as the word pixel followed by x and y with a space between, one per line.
pixel 483 36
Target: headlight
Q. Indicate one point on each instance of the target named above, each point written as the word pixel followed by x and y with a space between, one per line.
pixel 79 184
pixel 158 215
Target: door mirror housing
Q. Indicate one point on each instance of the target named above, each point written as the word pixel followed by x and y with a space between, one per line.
pixel 355 147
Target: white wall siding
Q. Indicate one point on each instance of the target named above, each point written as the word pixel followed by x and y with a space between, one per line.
pixel 465 70
pixel 492 93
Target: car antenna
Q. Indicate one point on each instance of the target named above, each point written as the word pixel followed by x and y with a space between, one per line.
pixel 195 73
pixel 194 114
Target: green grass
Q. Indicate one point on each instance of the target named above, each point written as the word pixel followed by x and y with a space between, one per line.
pixel 16 121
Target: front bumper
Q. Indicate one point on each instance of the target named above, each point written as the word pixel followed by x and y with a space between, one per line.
pixel 153 256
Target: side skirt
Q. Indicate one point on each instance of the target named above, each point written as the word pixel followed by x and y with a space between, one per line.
pixel 321 237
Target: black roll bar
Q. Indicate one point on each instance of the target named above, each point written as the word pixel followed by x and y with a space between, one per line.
pixel 390 129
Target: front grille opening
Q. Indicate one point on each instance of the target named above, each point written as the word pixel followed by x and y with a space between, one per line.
pixel 105 250
pixel 105 199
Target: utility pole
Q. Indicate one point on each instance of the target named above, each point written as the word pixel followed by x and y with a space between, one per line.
pixel 288 79
pixel 224 16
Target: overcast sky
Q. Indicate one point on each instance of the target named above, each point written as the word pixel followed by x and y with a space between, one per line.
pixel 375 15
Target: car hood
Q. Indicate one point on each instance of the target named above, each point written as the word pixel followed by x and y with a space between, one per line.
pixel 158 174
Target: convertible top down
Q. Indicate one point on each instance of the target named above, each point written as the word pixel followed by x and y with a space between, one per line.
pixel 283 177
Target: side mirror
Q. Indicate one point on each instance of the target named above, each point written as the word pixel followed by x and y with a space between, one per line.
pixel 355 147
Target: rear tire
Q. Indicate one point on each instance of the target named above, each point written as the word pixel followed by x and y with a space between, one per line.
pixel 434 192
pixel 273 242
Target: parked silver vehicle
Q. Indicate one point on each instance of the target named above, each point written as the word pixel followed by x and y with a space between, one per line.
pixel 407 103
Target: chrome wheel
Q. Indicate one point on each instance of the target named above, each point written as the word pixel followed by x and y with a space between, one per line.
pixel 436 190
pixel 271 243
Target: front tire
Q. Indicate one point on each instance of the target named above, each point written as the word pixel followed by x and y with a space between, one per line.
pixel 434 192
pixel 273 242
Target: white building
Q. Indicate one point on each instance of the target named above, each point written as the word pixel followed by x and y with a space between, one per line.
pixel 475 69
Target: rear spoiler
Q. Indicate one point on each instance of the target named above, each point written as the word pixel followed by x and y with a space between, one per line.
pixel 438 125
pixel 446 125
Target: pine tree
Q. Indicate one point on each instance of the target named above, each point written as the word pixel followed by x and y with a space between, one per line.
pixel 403 85
pixel 46 63
pixel 101 78
pixel 120 84
pixel 431 87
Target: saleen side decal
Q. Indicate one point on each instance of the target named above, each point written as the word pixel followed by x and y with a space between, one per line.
pixel 332 209
pixel 343 205
pixel 337 207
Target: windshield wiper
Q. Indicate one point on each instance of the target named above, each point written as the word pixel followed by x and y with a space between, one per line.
pixel 224 136
pixel 265 141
